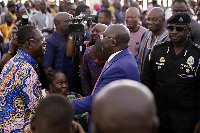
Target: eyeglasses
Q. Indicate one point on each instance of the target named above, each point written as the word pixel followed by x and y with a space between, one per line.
pixel 42 40
pixel 178 28
pixel 102 37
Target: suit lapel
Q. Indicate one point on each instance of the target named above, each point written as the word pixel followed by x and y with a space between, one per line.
pixel 115 58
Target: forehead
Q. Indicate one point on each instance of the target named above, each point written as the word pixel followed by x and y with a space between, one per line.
pixel 38 33
pixel 101 14
pixel 60 75
pixel 97 27
pixel 179 5
pixel 154 14
pixel 131 13
pixel 65 16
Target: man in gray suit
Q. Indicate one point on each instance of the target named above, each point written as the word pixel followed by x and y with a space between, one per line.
pixel 44 20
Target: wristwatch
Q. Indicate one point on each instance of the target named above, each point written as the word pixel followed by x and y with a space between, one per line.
pixel 71 38
pixel 10 53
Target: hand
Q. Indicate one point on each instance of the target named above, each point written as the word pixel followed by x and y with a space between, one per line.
pixel 78 128
pixel 197 128
pixel 13 45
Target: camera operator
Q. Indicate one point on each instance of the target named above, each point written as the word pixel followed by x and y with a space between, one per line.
pixel 70 51
pixel 55 57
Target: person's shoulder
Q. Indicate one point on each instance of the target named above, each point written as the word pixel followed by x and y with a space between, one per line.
pixel 195 46
pixel 143 28
pixel 2 25
pixel 194 23
pixel 53 37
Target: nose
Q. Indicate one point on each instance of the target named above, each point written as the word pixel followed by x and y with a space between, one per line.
pixel 174 30
pixel 65 85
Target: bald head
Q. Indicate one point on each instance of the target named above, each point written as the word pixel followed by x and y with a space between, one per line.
pixel 97 30
pixel 133 10
pixel 61 21
pixel 119 32
pixel 124 106
pixel 132 19
pixel 61 16
pixel 156 21
pixel 157 11
pixel 115 38
pixel 100 26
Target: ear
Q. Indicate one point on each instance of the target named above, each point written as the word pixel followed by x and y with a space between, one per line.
pixel 33 123
pixel 114 43
pixel 50 87
pixel 28 45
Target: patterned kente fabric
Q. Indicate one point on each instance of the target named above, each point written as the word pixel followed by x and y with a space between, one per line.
pixel 20 93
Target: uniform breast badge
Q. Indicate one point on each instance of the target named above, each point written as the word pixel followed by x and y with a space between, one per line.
pixel 162 59
pixel 190 62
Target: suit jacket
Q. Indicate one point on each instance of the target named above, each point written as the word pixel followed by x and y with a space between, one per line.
pixel 39 20
pixel 122 66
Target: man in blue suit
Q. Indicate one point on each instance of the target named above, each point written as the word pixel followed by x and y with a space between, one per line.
pixel 121 64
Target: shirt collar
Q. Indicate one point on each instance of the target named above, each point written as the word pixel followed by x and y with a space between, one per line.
pixel 110 24
pixel 113 55
pixel 26 56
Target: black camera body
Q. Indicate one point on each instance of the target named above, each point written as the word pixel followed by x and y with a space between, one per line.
pixel 24 20
pixel 77 28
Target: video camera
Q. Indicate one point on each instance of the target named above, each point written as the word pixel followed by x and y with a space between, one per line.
pixel 24 20
pixel 79 23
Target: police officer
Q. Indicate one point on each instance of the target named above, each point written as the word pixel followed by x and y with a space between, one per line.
pixel 172 73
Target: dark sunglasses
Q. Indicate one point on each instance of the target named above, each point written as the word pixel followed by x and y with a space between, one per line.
pixel 178 28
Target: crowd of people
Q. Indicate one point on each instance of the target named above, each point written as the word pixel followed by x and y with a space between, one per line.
pixel 124 70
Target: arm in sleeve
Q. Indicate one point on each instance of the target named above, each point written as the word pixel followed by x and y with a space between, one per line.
pixel 86 79
pixel 50 53
pixel 30 89
pixel 84 105
pixel 148 73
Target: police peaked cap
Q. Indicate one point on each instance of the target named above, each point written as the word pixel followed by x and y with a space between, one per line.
pixel 179 19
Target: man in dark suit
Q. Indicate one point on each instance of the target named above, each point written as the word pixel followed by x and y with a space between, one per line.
pixel 120 65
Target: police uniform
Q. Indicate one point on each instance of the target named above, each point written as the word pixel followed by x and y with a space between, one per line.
pixel 175 82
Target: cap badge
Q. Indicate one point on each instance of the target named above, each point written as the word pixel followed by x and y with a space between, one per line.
pixel 180 19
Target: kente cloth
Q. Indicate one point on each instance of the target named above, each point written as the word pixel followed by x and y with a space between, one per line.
pixel 147 43
pixel 20 93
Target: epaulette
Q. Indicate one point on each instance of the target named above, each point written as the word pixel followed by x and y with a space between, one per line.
pixel 197 46
pixel 161 44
